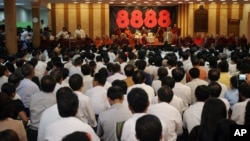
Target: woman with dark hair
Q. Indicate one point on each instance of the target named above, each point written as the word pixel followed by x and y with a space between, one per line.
pixel 213 112
pixel 6 111
pixel 9 135
pixel 247 114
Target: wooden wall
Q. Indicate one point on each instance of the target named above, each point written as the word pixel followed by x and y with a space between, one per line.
pixel 94 18
pixel 218 15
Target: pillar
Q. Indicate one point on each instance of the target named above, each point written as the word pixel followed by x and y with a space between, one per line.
pixel 10 26
pixel 36 23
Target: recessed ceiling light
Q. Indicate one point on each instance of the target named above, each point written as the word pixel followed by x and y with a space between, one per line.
pixel 111 2
pixel 134 2
pixel 87 2
pixel 179 1
pixel 122 2
pixel 190 2
pixel 145 2
pixel 186 0
pixel 75 2
pixel 246 0
pixel 169 2
pixel 224 2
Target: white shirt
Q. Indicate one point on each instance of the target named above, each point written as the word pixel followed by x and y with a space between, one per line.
pixel 123 64
pixel 156 84
pixel 87 82
pixel 148 89
pixel 64 33
pixel 80 33
pixel 40 102
pixel 25 90
pixel 85 110
pixel 193 84
pixel 171 116
pixel 175 102
pixel 98 99
pixel 224 89
pixel 65 126
pixel 112 57
pixel 57 87
pixel 128 131
pixel 99 65
pixel 116 76
pixel 238 112
pixel 152 70
pixel 183 92
pixel 40 69
pixel 192 116
pixel 3 79
pixel 74 70
pixel 48 117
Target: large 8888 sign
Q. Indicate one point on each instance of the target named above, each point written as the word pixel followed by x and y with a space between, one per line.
pixel 150 20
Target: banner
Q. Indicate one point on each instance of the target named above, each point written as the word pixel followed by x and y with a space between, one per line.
pixel 136 17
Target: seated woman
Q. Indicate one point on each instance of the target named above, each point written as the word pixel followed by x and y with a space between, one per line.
pixel 6 122
pixel 19 112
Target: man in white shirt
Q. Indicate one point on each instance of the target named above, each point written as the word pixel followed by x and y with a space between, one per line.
pixel 139 79
pixel 76 68
pixel 79 33
pixel 107 120
pixel 27 88
pixel 238 110
pixel 167 113
pixel 87 78
pixel 181 90
pixel 192 116
pixel 195 81
pixel 67 103
pixel 98 94
pixel 117 74
pixel 214 75
pixel 85 109
pixel 39 102
pixel 138 104
pixel 62 34
pixel 122 59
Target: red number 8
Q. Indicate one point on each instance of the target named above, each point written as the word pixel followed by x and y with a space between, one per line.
pixel 136 19
pixel 122 19
pixel 150 20
pixel 164 18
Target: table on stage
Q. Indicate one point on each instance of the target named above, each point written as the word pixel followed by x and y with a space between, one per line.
pixel 157 44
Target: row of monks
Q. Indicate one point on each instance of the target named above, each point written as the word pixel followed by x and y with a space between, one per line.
pixel 125 36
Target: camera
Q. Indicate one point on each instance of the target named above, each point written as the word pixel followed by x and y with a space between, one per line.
pixel 242 77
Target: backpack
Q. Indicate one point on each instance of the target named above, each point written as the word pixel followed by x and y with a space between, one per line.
pixel 119 127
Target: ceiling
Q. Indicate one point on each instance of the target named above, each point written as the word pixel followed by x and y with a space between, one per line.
pixel 129 2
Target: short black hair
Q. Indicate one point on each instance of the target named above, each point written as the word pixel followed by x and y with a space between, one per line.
pixel 115 92
pixel 148 128
pixel 138 100
pixel 67 102
pixel 215 89
pixel 15 79
pixel 77 136
pixel 129 70
pixel 86 69
pixel 116 68
pixel 100 79
pixel 27 69
pixel 75 82
pixel 48 83
pixel 178 74
pixel 57 74
pixel 162 72
pixel 194 73
pixel 223 66
pixel 8 88
pixel 213 75
pixel 122 84
pixel 168 81
pixel 202 92
pixel 141 64
pixel 165 94
pixel 138 77
pixel 244 90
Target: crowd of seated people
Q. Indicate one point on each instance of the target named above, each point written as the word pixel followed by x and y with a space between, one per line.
pixel 108 92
